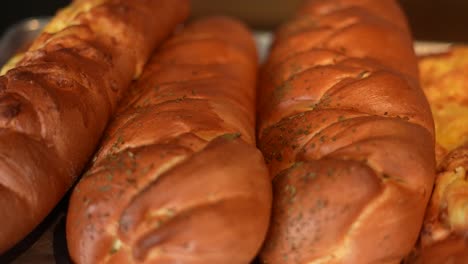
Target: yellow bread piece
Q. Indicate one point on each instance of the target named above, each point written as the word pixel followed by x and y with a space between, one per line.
pixel 444 79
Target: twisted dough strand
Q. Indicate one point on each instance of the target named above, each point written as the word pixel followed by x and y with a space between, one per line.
pixel 178 178
pixel 348 136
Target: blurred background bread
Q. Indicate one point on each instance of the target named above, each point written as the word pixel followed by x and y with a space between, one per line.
pixel 444 234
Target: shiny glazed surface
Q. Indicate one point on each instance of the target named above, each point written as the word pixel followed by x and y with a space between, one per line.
pixel 348 136
pixel 178 178
pixel 56 99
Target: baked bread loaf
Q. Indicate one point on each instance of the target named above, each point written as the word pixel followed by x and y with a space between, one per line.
pixel 178 178
pixel 444 234
pixel 348 136
pixel 56 99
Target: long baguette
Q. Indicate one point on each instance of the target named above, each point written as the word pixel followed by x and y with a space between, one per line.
pixel 445 230
pixel 348 135
pixel 56 99
pixel 178 178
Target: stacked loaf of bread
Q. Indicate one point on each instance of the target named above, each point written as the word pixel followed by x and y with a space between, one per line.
pixel 56 99
pixel 178 178
pixel 348 136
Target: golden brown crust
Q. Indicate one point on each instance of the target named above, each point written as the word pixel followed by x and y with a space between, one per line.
pixel 451 250
pixel 348 135
pixel 55 102
pixel 178 178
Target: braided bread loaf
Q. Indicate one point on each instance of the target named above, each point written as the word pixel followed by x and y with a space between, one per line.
pixel 348 136
pixel 56 99
pixel 178 178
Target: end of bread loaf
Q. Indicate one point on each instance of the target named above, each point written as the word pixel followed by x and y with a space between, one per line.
pixel 201 210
